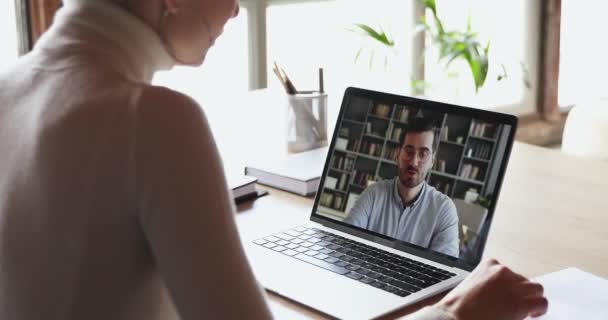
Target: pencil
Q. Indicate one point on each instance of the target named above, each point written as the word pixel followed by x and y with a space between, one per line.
pixel 291 87
pixel 276 72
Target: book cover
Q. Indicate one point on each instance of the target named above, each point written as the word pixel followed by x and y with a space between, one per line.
pixel 243 188
pixel 298 173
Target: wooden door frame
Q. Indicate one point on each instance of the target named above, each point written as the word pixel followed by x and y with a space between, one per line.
pixel 41 16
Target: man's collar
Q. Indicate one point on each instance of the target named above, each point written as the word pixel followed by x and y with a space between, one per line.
pixel 397 196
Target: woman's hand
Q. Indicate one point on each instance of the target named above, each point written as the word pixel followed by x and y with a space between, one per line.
pixel 493 291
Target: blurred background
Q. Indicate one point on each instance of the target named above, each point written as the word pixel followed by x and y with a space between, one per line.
pixel 542 60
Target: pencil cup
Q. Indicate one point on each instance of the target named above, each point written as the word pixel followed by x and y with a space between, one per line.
pixel 306 121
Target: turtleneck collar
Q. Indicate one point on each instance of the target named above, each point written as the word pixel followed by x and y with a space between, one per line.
pixel 132 47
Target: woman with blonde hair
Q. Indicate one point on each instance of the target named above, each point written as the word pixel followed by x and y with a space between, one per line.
pixel 113 201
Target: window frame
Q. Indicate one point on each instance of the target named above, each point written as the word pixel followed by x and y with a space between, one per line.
pixel 257 38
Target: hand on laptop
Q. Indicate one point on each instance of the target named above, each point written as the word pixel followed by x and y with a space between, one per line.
pixel 493 291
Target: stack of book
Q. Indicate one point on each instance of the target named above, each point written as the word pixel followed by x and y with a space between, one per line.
pixel 402 114
pixel 482 129
pixel 298 173
pixel 382 110
pixel 470 171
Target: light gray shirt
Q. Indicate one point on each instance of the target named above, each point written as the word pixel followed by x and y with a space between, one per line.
pixel 431 221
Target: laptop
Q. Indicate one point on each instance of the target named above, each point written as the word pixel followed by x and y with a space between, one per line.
pixel 385 233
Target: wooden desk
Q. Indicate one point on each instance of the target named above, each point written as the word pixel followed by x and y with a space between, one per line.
pixel 552 212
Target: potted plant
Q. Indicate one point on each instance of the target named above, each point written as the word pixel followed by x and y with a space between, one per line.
pixel 452 45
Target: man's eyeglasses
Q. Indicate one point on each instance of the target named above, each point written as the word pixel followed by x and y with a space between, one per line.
pixel 408 153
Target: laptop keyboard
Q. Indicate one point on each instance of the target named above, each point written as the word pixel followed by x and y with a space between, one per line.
pixel 378 268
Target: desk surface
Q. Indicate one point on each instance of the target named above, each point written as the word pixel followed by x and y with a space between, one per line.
pixel 551 213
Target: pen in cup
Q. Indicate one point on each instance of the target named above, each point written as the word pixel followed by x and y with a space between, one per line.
pixel 321 89
pixel 288 84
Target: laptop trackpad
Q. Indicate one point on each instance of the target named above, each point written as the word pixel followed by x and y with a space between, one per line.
pixel 318 288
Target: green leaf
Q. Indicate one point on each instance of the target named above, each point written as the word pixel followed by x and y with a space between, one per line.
pixel 504 74
pixel 419 86
pixel 358 54
pixel 430 4
pixel 455 44
pixel 379 36
pixel 478 65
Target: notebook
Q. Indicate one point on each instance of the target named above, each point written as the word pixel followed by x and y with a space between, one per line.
pixel 574 294
pixel 243 188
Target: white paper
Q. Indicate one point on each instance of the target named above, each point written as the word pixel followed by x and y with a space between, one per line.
pixel 575 294
pixel 280 312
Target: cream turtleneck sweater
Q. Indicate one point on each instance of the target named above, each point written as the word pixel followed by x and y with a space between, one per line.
pixel 113 203
pixel 112 196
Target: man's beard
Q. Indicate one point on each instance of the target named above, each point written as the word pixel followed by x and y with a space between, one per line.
pixel 408 180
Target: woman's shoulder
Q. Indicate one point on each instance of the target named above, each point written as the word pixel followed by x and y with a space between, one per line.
pixel 156 103
pixel 170 116
pixel 161 99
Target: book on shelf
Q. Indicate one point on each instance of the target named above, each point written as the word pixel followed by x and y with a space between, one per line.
pixel 470 172
pixel 474 173
pixel 341 162
pixel 338 199
pixel 331 200
pixel 342 182
pixel 331 182
pixel 396 134
pixel 363 179
pixel 483 130
pixel 444 134
pixel 327 199
pixel 479 151
pixel 440 165
pixel 343 133
pixel 355 145
pixel 382 110
pixel 390 153
pixel 368 127
pixel 298 173
pixel 466 169
pixel 402 114
pixel 374 149
pixel 342 143
pixel 444 188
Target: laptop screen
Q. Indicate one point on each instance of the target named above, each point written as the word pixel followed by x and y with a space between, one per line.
pixel 417 175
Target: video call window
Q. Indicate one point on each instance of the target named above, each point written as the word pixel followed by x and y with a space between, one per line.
pixel 377 150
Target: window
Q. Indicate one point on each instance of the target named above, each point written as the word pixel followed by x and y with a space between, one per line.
pixel 583 53
pixel 305 36
pixel 225 68
pixel 507 25
pixel 8 34
pixel 302 35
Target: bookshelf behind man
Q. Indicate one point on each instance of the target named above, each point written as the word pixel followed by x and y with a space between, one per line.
pixel 370 134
